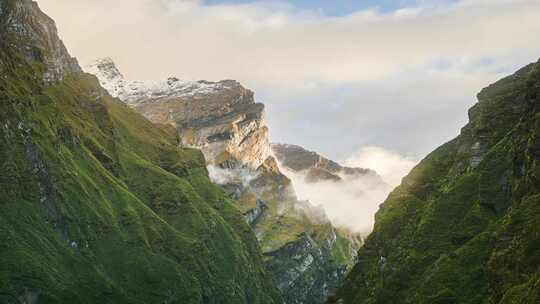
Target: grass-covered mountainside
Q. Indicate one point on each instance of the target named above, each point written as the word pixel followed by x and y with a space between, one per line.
pixel 464 226
pixel 98 205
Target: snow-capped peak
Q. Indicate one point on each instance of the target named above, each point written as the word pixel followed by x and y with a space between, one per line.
pixel 134 92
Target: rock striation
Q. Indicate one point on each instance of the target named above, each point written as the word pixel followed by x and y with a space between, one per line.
pixel 220 118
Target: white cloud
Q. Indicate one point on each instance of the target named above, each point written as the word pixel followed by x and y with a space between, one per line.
pixel 391 166
pixel 222 176
pixel 265 44
pixel 351 203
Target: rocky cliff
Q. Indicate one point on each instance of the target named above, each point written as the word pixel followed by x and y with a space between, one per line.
pixel 220 118
pixel 37 39
pixel 305 253
pixel 98 205
pixel 463 227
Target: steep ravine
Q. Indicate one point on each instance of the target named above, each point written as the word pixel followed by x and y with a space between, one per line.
pixel 97 204
pixel 464 225
pixel 305 254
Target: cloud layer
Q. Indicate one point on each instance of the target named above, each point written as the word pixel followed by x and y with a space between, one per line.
pixel 401 79
pixel 276 44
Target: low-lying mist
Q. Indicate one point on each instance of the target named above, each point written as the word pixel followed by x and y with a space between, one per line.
pixel 353 202
pixel 223 176
pixel 349 203
pixel 391 166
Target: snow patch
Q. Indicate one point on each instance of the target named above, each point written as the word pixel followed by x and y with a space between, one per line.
pixel 134 92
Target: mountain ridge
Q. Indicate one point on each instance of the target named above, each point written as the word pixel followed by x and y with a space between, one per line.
pixel 316 166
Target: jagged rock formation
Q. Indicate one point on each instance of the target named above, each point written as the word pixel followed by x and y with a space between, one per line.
pixel 98 205
pixel 221 118
pixel 228 125
pixel 316 167
pixel 463 227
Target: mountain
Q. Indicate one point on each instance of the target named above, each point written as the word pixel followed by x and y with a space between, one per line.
pixel 306 255
pixel 317 167
pixel 99 205
pixel 221 118
pixel 463 227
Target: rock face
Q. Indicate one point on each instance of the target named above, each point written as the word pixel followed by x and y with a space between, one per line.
pixel 308 260
pixel 224 121
pixel 220 118
pixel 253 215
pixel 97 204
pixel 37 38
pixel 463 225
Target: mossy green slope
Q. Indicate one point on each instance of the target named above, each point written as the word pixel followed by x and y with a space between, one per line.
pixel 463 227
pixel 305 254
pixel 97 205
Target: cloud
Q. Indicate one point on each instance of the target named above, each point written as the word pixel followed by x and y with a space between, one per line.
pixel 351 203
pixel 411 112
pixel 220 176
pixel 391 166
pixel 400 79
pixel 278 45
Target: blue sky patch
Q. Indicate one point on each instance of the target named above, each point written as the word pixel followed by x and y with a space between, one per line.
pixel 332 8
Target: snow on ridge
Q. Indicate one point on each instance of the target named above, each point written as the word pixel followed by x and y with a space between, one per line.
pixel 134 92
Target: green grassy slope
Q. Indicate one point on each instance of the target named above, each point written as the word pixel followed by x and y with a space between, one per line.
pixel 305 254
pixel 97 205
pixel 463 227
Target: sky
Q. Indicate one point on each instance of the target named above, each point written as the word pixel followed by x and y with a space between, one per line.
pixel 337 77
pixel 336 7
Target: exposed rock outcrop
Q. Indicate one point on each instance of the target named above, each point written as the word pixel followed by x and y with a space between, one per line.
pixel 220 118
pixel 254 214
pixel 306 258
pixel 37 38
